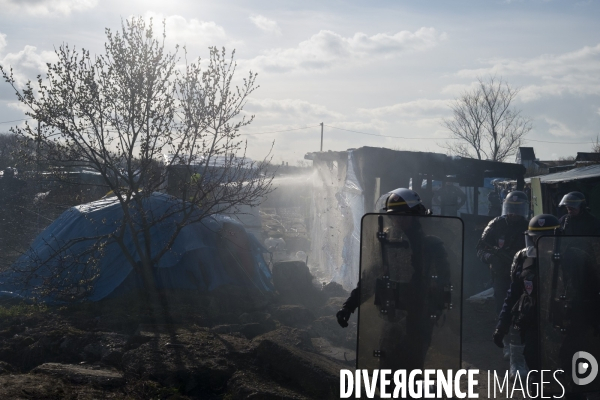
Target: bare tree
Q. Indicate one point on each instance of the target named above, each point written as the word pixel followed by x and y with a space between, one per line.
pixel 484 124
pixel 132 113
pixel 596 145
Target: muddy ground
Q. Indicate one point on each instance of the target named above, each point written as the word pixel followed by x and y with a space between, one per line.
pixel 478 349
pixel 231 344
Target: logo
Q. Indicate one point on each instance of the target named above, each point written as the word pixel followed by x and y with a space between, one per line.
pixel 528 286
pixel 541 221
pixel 584 367
pixel 501 242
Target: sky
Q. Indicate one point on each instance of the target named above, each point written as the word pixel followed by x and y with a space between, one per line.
pixel 375 73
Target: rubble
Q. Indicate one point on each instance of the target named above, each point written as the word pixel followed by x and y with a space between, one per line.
pixel 230 343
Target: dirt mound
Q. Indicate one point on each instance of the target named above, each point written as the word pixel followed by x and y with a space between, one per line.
pixel 233 343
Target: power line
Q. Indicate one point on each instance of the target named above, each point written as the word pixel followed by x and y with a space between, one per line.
pixel 241 134
pixel 16 120
pixel 396 137
pixel 445 138
pixel 359 132
pixel 547 141
pixel 285 130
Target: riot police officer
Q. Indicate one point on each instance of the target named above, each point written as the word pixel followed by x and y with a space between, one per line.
pixel 451 198
pixel 501 240
pixel 578 220
pixel 495 206
pixel 400 201
pixel 409 283
pixel 519 307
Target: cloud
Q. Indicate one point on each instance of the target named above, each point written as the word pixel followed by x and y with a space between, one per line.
pixel 456 89
pixel 422 115
pixel 27 63
pixel 47 7
pixel 326 49
pixel 576 72
pixel 28 58
pixel 191 32
pixel 2 41
pixel 265 24
pixel 295 109
pixel 559 129
pixel 415 108
pixel 15 105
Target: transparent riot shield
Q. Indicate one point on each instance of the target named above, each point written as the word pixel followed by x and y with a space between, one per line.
pixel 410 292
pixel 569 316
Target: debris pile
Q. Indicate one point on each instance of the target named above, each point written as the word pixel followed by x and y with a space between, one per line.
pixel 230 342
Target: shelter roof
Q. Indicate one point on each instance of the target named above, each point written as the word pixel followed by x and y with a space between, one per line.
pixel 588 157
pixel 554 163
pixel 588 172
pixel 469 171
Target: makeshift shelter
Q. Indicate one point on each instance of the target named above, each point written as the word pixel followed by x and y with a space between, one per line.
pixel 348 184
pixel 205 255
pixel 554 186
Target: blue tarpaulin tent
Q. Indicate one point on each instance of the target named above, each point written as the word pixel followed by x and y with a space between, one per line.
pixel 205 255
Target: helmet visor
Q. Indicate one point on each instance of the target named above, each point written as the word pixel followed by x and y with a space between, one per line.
pixel 519 207
pixel 571 201
pixel 530 245
pixel 397 201
pixel 380 203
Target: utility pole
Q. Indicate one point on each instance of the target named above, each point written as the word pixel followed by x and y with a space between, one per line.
pixel 37 149
pixel 37 171
pixel 321 136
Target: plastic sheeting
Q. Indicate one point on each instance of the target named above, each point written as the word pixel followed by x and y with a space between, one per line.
pixel 351 203
pixel 337 207
pixel 205 255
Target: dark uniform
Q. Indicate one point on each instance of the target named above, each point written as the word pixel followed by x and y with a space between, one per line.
pixel 433 246
pixel 582 224
pixel 579 273
pixel 519 306
pixel 399 201
pixel 578 220
pixel 410 338
pixel 560 280
pixel 451 199
pixel 495 206
pixel 417 265
pixel 499 243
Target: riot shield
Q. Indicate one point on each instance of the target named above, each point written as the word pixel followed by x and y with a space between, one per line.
pixel 410 292
pixel 569 304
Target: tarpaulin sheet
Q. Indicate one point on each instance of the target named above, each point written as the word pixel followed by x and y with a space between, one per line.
pixel 337 207
pixel 195 261
pixel 352 205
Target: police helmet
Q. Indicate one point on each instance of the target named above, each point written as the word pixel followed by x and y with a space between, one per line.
pixel 540 225
pixel 543 224
pixel 573 200
pixel 516 203
pixel 405 201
